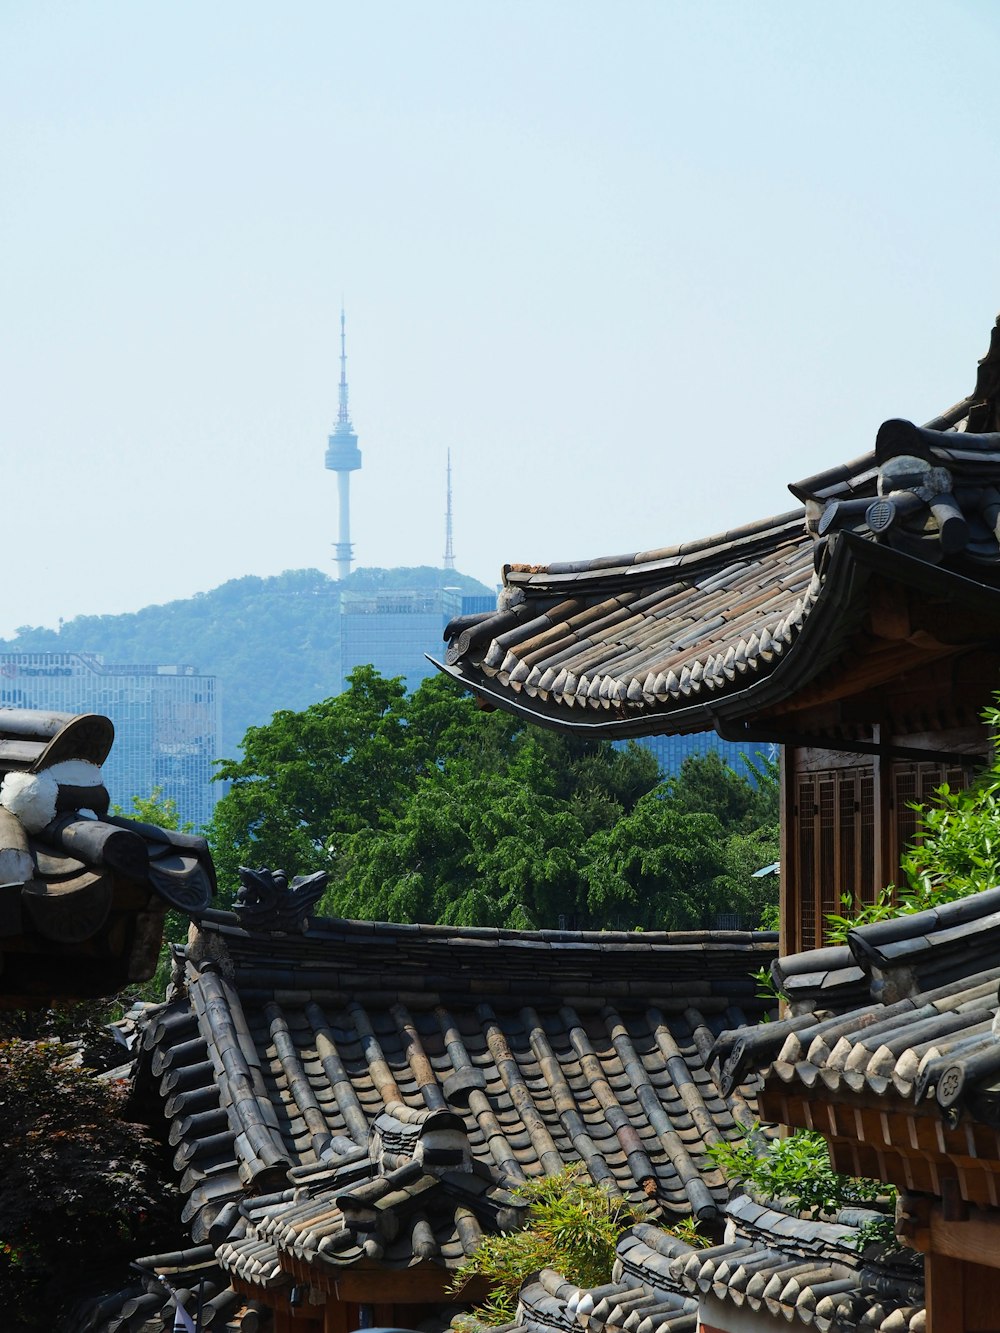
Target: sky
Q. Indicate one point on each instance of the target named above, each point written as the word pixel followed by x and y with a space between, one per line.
pixel 638 265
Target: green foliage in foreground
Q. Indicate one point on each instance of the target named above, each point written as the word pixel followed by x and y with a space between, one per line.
pixel 79 1181
pixel 956 851
pixel 573 1226
pixel 421 807
pixel 796 1169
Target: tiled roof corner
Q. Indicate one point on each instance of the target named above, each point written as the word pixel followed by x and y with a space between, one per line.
pixel 808 1273
pixel 676 638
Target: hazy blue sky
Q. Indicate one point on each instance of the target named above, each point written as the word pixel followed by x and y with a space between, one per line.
pixel 638 265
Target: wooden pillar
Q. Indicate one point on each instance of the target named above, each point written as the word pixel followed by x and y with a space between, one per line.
pixel 943 1294
pixel 789 912
pixel 886 868
pixel 335 1316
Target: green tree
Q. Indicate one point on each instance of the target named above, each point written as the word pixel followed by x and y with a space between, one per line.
pixel 486 851
pixel 687 851
pixel 422 806
pixel 656 867
pixel 741 802
pixel 338 766
pixel 155 809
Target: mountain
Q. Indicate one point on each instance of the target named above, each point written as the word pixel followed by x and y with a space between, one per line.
pixel 272 643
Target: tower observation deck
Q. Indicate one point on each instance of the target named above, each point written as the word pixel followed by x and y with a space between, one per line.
pixel 343 457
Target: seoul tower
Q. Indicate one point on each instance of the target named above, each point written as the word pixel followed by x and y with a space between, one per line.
pixel 343 457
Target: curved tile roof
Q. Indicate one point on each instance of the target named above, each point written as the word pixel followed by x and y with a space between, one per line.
pixel 161 1281
pixel 905 1086
pixel 671 639
pixel 930 980
pixel 809 1273
pixel 287 1058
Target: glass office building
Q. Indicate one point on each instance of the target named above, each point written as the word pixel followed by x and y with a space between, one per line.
pixel 394 630
pixel 166 719
pixel 671 751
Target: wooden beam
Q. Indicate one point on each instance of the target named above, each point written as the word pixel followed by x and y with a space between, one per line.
pixel 977 1239
pixel 424 1284
pixel 889 611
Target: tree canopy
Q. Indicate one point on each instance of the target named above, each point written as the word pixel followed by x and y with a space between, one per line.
pixel 424 808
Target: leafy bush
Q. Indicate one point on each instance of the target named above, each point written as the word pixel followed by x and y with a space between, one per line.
pixel 796 1171
pixel 79 1182
pixel 573 1226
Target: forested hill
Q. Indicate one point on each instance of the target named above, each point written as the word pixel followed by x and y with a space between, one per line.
pixel 271 642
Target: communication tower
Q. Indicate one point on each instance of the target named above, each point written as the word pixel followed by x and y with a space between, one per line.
pixel 343 457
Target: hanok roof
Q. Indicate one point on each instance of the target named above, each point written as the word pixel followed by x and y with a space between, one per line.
pixel 709 633
pixel 810 1273
pixel 286 1053
pixel 148 1300
pixel 906 1086
pixel 414 1193
pixel 82 893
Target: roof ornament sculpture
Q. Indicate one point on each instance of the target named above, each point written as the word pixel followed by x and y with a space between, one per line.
pixel 434 1137
pixel 74 876
pixel 936 494
pixel 265 901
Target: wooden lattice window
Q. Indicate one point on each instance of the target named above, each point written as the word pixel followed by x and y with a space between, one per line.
pixel 834 843
pixel 917 783
pixel 836 846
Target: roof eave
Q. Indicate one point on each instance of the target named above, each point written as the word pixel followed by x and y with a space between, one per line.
pixel 834 618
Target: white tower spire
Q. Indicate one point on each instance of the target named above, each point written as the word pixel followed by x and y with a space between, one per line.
pixel 343 457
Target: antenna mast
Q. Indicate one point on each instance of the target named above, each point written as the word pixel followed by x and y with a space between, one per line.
pixel 449 553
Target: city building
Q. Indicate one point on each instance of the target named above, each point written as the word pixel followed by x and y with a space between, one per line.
pixel 671 751
pixel 166 718
pixel 395 629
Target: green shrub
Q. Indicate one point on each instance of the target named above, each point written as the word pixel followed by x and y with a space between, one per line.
pixel 796 1171
pixel 573 1226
